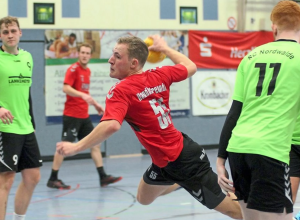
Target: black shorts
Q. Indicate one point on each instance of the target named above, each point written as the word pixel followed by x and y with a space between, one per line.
pixel 18 152
pixel 262 182
pixel 76 128
pixel 192 171
pixel 295 161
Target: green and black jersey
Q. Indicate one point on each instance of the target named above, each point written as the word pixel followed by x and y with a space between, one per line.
pixel 268 85
pixel 15 82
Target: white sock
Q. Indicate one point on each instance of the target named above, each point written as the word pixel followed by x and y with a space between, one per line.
pixel 18 217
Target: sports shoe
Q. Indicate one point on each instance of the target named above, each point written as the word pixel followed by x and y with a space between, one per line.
pixel 109 179
pixel 297 217
pixel 57 184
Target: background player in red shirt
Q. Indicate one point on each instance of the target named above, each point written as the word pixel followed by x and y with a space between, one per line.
pixel 142 99
pixel 76 121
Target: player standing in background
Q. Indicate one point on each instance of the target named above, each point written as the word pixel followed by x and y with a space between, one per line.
pixel 76 121
pixel 19 151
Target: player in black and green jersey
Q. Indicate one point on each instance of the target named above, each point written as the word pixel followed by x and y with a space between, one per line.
pixel 19 150
pixel 258 129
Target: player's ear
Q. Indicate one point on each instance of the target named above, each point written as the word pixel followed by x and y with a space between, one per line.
pixel 134 63
pixel 274 30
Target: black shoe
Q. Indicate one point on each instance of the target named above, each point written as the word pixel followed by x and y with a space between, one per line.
pixel 109 179
pixel 57 184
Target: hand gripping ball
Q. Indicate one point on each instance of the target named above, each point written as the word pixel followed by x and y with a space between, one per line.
pixel 154 56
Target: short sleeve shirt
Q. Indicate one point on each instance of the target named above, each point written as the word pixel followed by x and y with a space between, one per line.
pixel 78 78
pixel 267 83
pixel 143 101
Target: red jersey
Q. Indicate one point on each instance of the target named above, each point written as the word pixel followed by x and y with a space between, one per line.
pixel 143 101
pixel 79 79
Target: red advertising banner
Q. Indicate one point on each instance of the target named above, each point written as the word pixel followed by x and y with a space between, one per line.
pixel 222 50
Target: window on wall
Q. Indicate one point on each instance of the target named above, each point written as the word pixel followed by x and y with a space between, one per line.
pixel 43 13
pixel 188 15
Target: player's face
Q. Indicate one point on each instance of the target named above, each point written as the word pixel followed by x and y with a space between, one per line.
pixel 119 62
pixel 10 35
pixel 84 55
pixel 71 40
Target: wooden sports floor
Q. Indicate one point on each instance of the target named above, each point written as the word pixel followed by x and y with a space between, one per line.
pixel 86 200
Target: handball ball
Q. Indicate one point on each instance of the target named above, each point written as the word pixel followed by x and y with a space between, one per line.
pixel 154 56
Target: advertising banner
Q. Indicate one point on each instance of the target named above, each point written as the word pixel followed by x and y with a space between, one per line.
pixel 212 92
pixel 223 50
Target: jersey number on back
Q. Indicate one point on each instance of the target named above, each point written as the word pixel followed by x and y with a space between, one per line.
pixel 262 71
pixel 158 107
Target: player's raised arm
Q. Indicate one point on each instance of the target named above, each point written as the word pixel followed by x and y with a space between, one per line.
pixel 159 44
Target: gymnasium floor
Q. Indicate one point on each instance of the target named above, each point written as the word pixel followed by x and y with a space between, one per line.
pixel 87 201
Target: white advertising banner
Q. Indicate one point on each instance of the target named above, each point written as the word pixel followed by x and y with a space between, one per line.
pixel 212 92
pixel 100 85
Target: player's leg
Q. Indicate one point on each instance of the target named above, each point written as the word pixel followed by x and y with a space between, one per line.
pixel 171 188
pixel 69 133
pixel 192 171
pixel 6 182
pixel 152 185
pixel 29 164
pixel 148 193
pixel 230 207
pixel 10 150
pixel 105 179
pixel 30 178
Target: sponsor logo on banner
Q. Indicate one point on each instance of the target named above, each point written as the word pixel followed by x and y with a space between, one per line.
pixel 214 92
pixel 224 50
pixel 205 48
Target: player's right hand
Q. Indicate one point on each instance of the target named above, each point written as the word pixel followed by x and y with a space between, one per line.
pixel 6 116
pixel 66 148
pixel 159 43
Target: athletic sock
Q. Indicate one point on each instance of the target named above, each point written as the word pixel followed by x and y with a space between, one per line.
pixel 18 217
pixel 101 172
pixel 53 175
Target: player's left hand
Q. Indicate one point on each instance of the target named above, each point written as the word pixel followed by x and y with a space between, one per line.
pixel 66 148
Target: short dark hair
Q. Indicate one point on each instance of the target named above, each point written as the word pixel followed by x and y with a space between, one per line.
pixel 73 35
pixel 136 48
pixel 9 20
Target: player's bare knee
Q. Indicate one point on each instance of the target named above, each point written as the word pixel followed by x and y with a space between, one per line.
pixel 31 180
pixel 7 180
pixel 235 214
pixel 143 200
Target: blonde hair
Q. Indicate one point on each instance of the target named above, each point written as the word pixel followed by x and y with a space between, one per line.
pixel 85 45
pixel 286 15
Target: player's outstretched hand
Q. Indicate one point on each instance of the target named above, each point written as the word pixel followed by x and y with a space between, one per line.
pixel 66 148
pixel 6 116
